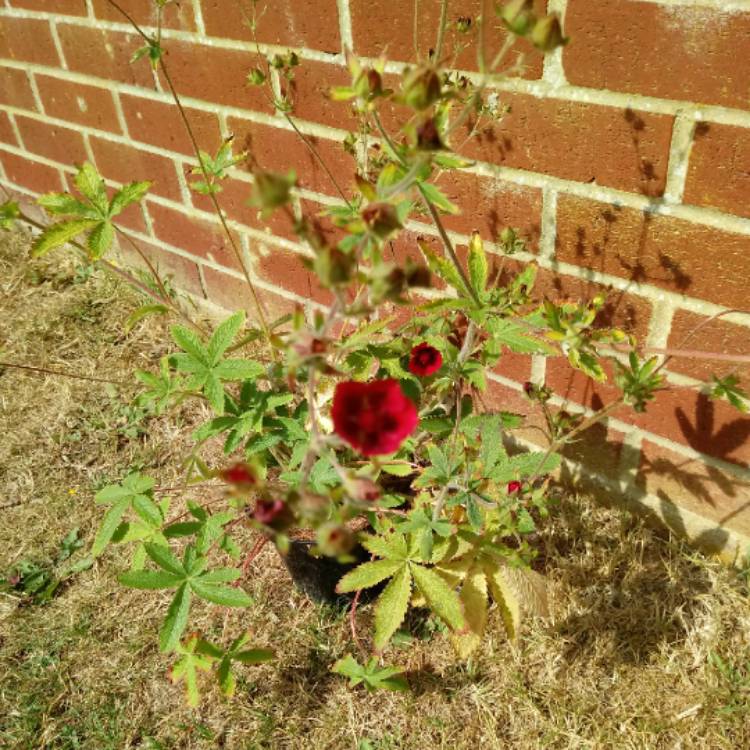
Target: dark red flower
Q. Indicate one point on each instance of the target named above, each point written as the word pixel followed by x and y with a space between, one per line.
pixel 374 418
pixel 269 511
pixel 425 360
pixel 514 486
pixel 239 474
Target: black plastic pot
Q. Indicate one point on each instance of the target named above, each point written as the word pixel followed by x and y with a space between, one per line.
pixel 316 577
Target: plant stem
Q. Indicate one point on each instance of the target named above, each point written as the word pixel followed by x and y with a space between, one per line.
pixel 47 371
pixel 441 30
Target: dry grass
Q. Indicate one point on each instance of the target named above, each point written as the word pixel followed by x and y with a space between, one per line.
pixel 623 662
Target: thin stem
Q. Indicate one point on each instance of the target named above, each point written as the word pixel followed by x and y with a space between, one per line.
pixel 47 371
pixel 353 622
pixel 441 30
pixel 146 260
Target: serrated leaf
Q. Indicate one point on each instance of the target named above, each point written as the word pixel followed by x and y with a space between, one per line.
pixel 505 597
pixel 525 465
pixel 109 524
pixel 214 391
pixel 176 620
pixel 65 204
pixel 223 336
pixel 59 234
pixel 443 268
pixel 392 547
pixel 221 575
pixel 91 186
pixel 478 266
pixel 438 198
pixel 397 468
pixel 254 656
pixel 440 597
pixel 516 337
pixel 226 596
pixel 189 342
pixel 368 574
pixel 474 598
pixel 238 369
pixel 131 193
pixel 164 558
pixel 149 579
pixel 530 588
pixel 391 607
pixel 148 510
pixel 138 315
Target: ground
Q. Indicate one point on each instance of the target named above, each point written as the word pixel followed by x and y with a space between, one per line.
pixel 647 646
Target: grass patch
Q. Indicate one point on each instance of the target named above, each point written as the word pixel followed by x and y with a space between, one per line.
pixel 648 645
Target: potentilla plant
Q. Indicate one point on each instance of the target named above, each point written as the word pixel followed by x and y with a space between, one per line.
pixel 358 436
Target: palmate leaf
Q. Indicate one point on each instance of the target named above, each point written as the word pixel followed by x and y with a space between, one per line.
pixel 59 234
pixel 100 239
pixel 192 659
pixel 64 204
pixel 149 579
pixel 109 525
pixel 131 193
pixel 525 465
pixel 443 268
pixel 91 186
pixel 238 369
pixel 516 337
pixel 391 606
pixel 189 342
pixel 440 597
pixel 372 676
pixel 226 596
pixel 223 336
pixel 368 574
pixel 176 621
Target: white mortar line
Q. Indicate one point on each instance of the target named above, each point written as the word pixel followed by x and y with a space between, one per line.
pixel 725 6
pixel 679 157
pixel 660 324
pixel 35 91
pixel 538 369
pixel 548 238
pixel 198 15
pixel 58 44
pixel 90 9
pixel 87 147
pixel 16 131
pixel 553 70
pixel 345 26
pixel 121 115
pixel 630 458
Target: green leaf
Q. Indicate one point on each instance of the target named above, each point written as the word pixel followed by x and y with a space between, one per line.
pixel 138 315
pixel 131 193
pixel 59 234
pixel 391 607
pixel 9 213
pixel 393 546
pixel 91 186
pixel 221 575
pixel 66 205
pixel 214 391
pixel 164 558
pixel 438 198
pixel 148 510
pixel 254 656
pixel 109 525
pixel 189 342
pixel 227 596
pixel 149 579
pixel 368 574
pixel 223 336
pixel 397 468
pixel 443 268
pixel 478 266
pixel 525 465
pixel 442 599
pixel 238 369
pixel 516 337
pixel 176 620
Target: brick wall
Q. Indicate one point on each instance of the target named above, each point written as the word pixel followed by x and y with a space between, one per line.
pixel 625 162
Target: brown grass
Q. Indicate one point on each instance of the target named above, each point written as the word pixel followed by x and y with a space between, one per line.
pixel 624 660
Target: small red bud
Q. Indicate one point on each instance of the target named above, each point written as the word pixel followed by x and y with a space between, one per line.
pixel 513 487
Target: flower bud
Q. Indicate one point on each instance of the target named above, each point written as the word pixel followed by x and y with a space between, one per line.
pixel 428 136
pixel 381 218
pixel 514 487
pixel 547 34
pixel 273 513
pixel 271 190
pixel 333 267
pixel 417 274
pixel 421 88
pixel 374 82
pixel 334 539
pixel 241 475
pixel 364 490
pixel 518 16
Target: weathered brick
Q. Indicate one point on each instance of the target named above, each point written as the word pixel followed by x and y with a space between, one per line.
pixel 309 93
pixel 690 53
pixel 489 205
pixel 62 145
pixel 313 24
pixel 514 366
pixel 619 148
pixel 123 163
pixel 716 336
pixel 706 490
pixel 28 40
pixel 7 134
pixel 202 238
pixel 61 7
pixel 383 27
pixel 277 150
pixel 15 89
pixel 30 174
pixel 213 74
pixel 719 169
pixel 680 414
pixel 670 253
pixel 104 54
pixel 284 268
pixel 170 266
pixel 76 102
pixel 159 124
pixel 177 15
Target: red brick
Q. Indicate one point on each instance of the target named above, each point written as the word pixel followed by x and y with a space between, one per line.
pixel 321 223
pixel 489 205
pixel 202 238
pixel 608 146
pixel 514 366
pixel 61 7
pixel 177 15
pixel 717 336
pixel 695 54
pixel 104 54
pixel 15 89
pixel 28 40
pixel 214 75
pixel 670 253
pixel 76 102
pixel 383 27
pixel 680 414
pixel 30 174
pixel 123 163
pixel 60 144
pixel 277 150
pixel 309 93
pixel 7 135
pixel 159 124
pixel 706 490
pixel 719 169
pixel 284 268
pixel 288 23
pixel 181 272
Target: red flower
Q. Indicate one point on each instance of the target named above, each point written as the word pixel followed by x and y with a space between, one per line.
pixel 425 360
pixel 269 512
pixel 514 486
pixel 239 474
pixel 374 418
